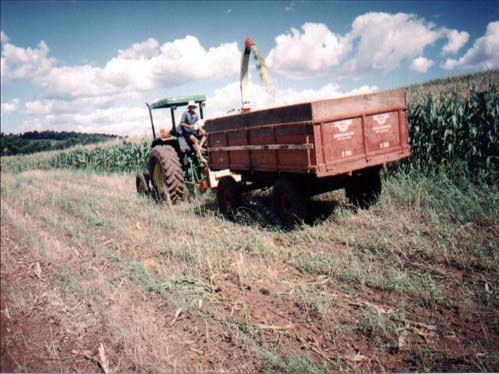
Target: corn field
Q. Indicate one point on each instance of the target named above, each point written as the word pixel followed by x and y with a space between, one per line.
pixel 455 129
pixel 126 157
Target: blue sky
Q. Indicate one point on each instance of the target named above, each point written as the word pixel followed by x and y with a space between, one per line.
pixel 77 78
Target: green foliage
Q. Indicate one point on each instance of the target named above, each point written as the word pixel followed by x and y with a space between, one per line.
pixel 446 195
pixel 455 129
pixel 126 157
pixel 444 87
pixel 34 141
pixel 288 364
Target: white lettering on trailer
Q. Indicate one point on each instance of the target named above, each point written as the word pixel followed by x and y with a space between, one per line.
pixel 346 153
pixel 384 145
pixel 344 136
pixel 381 129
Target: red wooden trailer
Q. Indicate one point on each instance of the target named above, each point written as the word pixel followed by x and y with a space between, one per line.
pixel 309 148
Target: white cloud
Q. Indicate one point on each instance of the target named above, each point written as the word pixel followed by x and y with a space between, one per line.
pixel 186 60
pixel 25 63
pixel 228 98
pixel 484 54
pixel 380 42
pixel 116 120
pixel 298 55
pixel 455 41
pixel 10 107
pixel 385 40
pixel 421 64
pixel 3 37
pixel 147 49
pixel 80 115
pixel 57 106
pixel 142 67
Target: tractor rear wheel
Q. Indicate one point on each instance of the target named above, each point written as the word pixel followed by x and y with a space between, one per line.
pixel 363 189
pixel 228 196
pixel 142 183
pixel 290 203
pixel 166 174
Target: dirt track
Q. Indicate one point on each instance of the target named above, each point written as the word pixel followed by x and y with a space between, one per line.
pixel 94 279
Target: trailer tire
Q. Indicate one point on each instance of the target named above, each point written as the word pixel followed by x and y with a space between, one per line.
pixel 290 203
pixel 142 183
pixel 363 189
pixel 166 174
pixel 228 196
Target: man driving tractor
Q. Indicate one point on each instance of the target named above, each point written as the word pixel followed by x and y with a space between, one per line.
pixel 190 131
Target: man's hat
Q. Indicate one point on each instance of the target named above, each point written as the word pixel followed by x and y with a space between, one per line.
pixel 191 104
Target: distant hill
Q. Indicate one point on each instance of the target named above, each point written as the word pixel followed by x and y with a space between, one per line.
pixel 35 141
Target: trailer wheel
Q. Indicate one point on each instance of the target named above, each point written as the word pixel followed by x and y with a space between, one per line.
pixel 142 183
pixel 363 189
pixel 166 174
pixel 228 196
pixel 289 202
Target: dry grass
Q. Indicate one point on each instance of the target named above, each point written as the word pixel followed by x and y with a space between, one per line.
pixel 399 287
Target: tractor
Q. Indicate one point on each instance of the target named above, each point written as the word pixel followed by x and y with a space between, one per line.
pixel 173 164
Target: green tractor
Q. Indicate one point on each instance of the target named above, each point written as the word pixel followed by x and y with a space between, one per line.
pixel 173 164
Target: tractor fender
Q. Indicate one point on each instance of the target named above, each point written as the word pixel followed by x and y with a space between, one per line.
pixel 173 141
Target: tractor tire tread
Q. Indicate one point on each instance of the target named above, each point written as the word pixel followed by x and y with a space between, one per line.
pixel 173 175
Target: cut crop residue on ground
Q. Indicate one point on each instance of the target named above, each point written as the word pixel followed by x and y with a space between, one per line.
pixel 95 278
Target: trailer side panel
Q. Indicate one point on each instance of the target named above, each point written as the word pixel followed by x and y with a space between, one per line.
pixel 324 138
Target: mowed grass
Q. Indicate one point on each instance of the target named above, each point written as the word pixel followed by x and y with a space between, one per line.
pixel 410 284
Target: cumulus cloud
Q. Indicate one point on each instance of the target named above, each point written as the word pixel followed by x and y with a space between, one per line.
pixel 56 106
pixel 385 40
pixel 484 54
pixel 25 63
pixel 421 64
pixel 124 120
pixel 455 41
pixel 227 99
pixel 379 42
pixel 3 37
pixel 185 60
pixel 142 67
pixel 147 49
pixel 115 120
pixel 304 54
pixel 10 107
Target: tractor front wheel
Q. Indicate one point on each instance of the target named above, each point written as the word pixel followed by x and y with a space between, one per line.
pixel 142 183
pixel 166 174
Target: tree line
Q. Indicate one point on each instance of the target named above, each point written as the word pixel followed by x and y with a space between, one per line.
pixel 39 141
